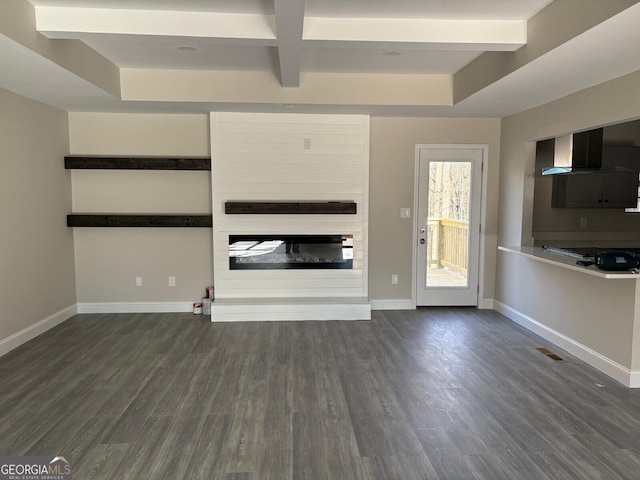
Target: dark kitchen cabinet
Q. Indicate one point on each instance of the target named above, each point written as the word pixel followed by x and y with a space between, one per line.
pixel 621 156
pixel 595 190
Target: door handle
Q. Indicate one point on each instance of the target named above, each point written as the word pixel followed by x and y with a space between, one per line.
pixel 422 241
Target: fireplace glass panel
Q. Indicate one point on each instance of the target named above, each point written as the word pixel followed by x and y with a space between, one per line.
pixel 276 252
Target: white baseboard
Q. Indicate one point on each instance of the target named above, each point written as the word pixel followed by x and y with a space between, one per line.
pixel 32 331
pixel 486 304
pixel 136 307
pixel 584 353
pixel 391 304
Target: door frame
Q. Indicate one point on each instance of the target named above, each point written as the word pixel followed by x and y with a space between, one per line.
pixel 483 214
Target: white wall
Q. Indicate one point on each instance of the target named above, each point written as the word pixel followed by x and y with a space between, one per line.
pixel 36 247
pixel 262 157
pixel 109 259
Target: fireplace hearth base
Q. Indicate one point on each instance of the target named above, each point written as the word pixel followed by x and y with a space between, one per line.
pixel 290 309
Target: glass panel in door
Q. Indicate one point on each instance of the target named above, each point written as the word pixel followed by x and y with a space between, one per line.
pixel 448 224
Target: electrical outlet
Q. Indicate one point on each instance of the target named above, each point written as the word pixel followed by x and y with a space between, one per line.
pixel 583 222
pixel 307 144
pixel 394 279
pixel 405 213
pixel 172 281
pixel 138 281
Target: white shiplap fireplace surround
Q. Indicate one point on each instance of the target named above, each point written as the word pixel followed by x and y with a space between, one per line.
pixel 290 158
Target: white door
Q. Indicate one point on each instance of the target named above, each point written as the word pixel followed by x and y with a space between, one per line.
pixel 448 225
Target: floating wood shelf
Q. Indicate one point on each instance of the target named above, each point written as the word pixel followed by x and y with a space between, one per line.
pixel 137 163
pixel 290 207
pixel 129 220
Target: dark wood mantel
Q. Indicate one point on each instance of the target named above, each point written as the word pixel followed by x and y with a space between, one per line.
pixel 290 208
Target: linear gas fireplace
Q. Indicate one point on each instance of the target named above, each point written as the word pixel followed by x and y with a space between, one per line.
pixel 278 252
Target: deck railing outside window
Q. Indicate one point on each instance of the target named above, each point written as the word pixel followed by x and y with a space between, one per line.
pixel 447 244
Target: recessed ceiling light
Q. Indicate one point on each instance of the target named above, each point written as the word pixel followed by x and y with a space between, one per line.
pixel 186 48
pixel 290 105
pixel 392 53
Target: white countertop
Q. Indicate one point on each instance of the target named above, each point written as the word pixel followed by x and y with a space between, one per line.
pixel 540 255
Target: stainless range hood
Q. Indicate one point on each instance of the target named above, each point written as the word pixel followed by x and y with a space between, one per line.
pixel 577 153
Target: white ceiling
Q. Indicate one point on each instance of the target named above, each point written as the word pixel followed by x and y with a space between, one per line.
pixel 231 6
pixel 146 33
pixel 446 9
pixel 291 38
pixel 461 9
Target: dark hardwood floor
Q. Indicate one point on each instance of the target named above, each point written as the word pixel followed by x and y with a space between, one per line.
pixel 429 394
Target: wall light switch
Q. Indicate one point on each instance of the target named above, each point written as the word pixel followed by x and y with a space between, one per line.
pixel 394 279
pixel 172 281
pixel 583 222
pixel 138 281
pixel 405 213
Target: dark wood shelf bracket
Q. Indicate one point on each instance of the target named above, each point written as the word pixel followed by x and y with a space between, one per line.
pixel 290 208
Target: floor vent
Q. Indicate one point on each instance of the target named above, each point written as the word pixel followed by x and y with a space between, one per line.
pixel 550 354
